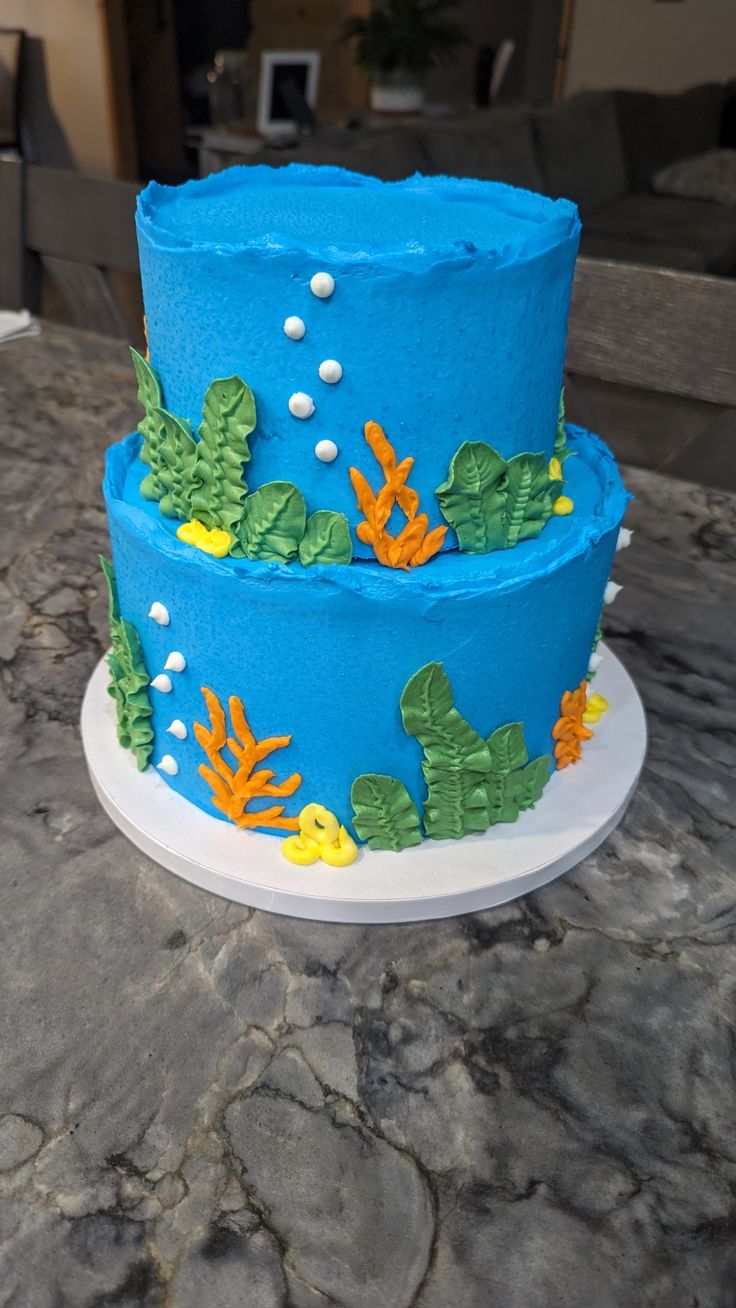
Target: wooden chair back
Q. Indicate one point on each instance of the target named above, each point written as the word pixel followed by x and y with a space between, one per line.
pixel 663 330
pixel 76 228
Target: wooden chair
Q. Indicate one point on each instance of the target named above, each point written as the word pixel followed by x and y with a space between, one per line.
pixel 655 328
pixel 75 228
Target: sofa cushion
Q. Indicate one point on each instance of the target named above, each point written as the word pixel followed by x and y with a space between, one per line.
pixel 497 145
pixel 580 150
pixel 662 221
pixel 709 176
pixel 657 129
pixel 624 249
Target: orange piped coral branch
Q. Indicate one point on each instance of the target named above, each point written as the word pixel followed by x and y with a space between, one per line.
pixel 414 544
pixel 570 730
pixel 234 788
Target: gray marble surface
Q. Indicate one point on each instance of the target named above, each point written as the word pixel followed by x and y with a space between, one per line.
pixel 203 1107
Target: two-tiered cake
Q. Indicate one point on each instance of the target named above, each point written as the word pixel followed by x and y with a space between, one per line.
pixel 357 577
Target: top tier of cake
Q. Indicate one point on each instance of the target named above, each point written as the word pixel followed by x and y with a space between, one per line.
pixel 445 306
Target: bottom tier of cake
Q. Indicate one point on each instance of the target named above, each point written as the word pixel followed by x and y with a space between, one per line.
pixel 391 698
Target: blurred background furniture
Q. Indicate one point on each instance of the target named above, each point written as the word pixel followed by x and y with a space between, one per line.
pixel 12 47
pixel 602 149
pixel 78 230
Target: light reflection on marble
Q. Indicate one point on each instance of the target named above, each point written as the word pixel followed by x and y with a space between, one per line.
pixel 202 1106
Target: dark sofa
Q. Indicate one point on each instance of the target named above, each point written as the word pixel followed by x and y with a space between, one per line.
pixel 599 148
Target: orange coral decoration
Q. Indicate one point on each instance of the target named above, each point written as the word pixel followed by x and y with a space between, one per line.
pixel 570 730
pixel 414 544
pixel 234 790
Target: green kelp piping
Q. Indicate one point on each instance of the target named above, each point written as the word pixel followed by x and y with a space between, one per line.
pixel 129 678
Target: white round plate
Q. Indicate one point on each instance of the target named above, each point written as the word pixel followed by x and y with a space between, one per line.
pixel 438 878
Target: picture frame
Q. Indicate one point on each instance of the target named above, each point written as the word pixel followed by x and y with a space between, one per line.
pixel 287 90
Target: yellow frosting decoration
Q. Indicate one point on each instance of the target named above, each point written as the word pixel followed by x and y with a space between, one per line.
pixel 215 542
pixel 320 836
pixel 595 708
pixel 562 506
pixel 555 469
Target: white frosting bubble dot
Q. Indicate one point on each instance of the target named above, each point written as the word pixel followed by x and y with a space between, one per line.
pixel 177 728
pixel 175 662
pixel 301 405
pixel 322 284
pixel 168 764
pixel 159 613
pixel 326 451
pixel 330 371
pixel 163 683
pixel 294 328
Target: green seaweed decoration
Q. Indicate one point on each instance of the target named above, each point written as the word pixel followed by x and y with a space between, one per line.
pixel 326 539
pixel 228 418
pixel 492 503
pixel 150 426
pixel 472 783
pixel 562 450
pixel 129 678
pixel 597 638
pixel 177 461
pixel 385 815
pixel 273 523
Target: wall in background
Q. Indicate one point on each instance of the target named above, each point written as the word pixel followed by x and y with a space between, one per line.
pixel 647 44
pixel 68 112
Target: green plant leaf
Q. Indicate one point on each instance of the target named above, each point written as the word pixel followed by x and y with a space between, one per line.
pixel 326 539
pixel 273 522
pixel 428 712
pixel 455 756
pixel 150 426
pixel 507 748
pixel 472 498
pixel 561 450
pixel 178 459
pixel 129 679
pixel 530 495
pixel 228 418
pixel 385 815
pixel 523 787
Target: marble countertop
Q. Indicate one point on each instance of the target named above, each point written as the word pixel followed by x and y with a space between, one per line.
pixel 203 1106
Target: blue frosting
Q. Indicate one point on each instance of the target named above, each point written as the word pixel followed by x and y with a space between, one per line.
pixel 324 653
pixel 448 316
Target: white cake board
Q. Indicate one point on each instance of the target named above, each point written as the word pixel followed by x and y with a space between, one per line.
pixel 439 878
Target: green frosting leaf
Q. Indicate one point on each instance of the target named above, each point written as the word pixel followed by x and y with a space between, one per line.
pixel 273 522
pixel 471 783
pixel 521 789
pixel 326 539
pixel 178 459
pixel 561 450
pixel 129 678
pixel 597 638
pixel 150 425
pixel 455 756
pixel 385 814
pixel 472 498
pixel 530 494
pixel 492 504
pixel 507 748
pixel 228 418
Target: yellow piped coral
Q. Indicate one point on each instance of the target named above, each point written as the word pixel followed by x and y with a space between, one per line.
pixel 320 836
pixel 562 506
pixel 415 544
pixel 214 541
pixel 555 469
pixel 595 708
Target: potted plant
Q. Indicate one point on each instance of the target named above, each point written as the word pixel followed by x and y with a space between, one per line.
pixel 398 42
